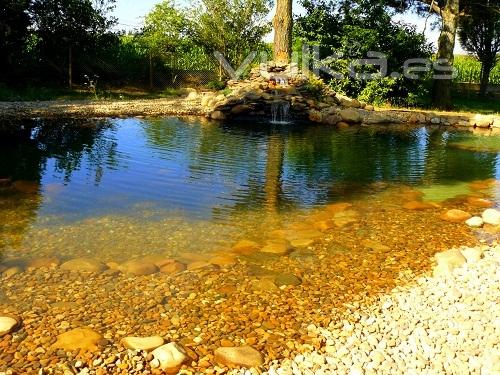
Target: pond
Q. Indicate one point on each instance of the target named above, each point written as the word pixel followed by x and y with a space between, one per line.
pixel 209 234
pixel 121 188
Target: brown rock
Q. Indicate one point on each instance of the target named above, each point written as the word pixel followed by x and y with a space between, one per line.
pixel 138 267
pixel 246 247
pixel 278 247
pixel 343 125
pixel 417 205
pixel 79 338
pixel 173 267
pixel 455 216
pixel 43 263
pixel 244 356
pixel 218 115
pixel 480 202
pixel 84 264
pixel 142 343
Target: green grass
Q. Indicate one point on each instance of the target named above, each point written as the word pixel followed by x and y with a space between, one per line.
pixel 475 104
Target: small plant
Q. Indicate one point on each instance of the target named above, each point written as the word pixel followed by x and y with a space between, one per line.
pixel 315 86
pixel 227 92
pixel 216 85
pixel 91 83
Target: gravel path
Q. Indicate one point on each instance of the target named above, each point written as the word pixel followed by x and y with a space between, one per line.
pixel 87 108
pixel 436 326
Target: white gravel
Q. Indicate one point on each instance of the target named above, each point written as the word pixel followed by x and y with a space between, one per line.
pixel 438 325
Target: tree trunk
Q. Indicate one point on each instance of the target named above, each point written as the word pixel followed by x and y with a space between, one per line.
pixel 441 95
pixel 151 86
pixel 274 168
pixel 283 23
pixel 70 67
pixel 485 78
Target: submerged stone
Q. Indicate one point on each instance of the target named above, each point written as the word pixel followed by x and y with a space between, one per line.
pixel 142 343
pixel 278 247
pixel 84 264
pixel 455 216
pixel 80 338
pixel 246 247
pixel 287 279
pixel 244 356
pixel 138 267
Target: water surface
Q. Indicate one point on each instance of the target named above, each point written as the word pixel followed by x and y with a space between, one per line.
pixel 118 188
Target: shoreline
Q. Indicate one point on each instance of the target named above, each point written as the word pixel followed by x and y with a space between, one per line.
pixel 63 109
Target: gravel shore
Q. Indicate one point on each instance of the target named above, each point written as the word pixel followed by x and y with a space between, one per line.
pixel 438 325
pixel 87 108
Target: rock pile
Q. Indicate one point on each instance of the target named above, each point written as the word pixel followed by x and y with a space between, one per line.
pixel 271 85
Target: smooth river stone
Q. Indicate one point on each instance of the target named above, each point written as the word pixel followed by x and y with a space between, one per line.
pixel 170 357
pixel 455 216
pixel 79 338
pixel 142 343
pixel 138 267
pixel 417 206
pixel 7 325
pixel 43 263
pixel 244 356
pixel 480 202
pixel 84 264
pixel 491 216
pixel 475 222
pixel 245 247
pixel 277 247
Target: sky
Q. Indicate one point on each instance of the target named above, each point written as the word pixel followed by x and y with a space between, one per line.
pixel 130 14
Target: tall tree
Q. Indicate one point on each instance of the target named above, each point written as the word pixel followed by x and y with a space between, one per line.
pixel 14 23
pixel 231 27
pixel 71 26
pixel 164 28
pixel 449 12
pixel 479 34
pixel 283 23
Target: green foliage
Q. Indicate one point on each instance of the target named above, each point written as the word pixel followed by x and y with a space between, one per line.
pixel 216 85
pixel 469 70
pixel 378 90
pixel 14 23
pixel 315 86
pixel 231 27
pixel 349 30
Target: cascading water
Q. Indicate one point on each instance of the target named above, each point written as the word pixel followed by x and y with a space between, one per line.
pixel 279 112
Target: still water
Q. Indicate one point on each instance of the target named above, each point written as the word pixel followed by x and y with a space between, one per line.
pixel 118 188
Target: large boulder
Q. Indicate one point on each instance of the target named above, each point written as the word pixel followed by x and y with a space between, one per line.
pixel 351 115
